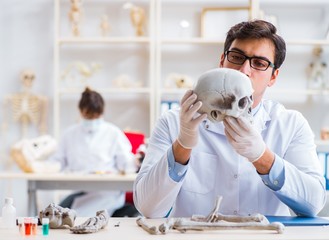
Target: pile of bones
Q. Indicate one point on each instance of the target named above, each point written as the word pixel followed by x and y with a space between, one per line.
pixel 214 221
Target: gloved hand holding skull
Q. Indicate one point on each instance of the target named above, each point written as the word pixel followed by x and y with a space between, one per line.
pixel 189 121
pixel 226 94
pixel 244 138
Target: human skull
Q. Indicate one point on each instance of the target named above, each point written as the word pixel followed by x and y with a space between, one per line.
pixel 224 92
pixel 27 77
pixel 58 216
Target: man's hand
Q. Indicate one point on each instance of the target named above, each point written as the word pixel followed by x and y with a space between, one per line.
pixel 189 120
pixel 244 138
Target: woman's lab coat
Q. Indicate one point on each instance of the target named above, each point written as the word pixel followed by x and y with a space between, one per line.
pixel 216 169
pixel 105 149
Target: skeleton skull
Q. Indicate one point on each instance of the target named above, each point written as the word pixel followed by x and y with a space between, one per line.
pixel 224 92
pixel 27 77
pixel 58 216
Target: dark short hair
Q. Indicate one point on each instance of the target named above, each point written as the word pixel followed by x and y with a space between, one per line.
pixel 91 103
pixel 258 29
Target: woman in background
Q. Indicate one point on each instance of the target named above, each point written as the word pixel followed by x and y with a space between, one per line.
pixel 94 145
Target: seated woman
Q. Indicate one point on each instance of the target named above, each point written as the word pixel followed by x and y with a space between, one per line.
pixel 94 145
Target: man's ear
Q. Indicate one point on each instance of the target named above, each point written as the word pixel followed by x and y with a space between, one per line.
pixel 273 78
pixel 222 58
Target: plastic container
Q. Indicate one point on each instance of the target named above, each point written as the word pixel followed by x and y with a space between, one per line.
pixel 34 226
pixel 28 225
pixel 9 214
pixel 45 226
pixel 20 222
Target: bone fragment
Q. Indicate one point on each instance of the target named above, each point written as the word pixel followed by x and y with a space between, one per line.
pixel 150 229
pixel 93 224
pixel 212 214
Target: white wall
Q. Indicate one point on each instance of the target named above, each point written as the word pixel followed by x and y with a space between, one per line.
pixel 26 41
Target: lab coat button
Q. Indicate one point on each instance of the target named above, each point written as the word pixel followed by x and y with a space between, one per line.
pixel 207 126
pixel 235 175
pixel 275 182
pixel 235 212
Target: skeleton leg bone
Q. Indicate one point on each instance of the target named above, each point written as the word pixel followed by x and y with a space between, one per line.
pixel 183 224
pixel 93 224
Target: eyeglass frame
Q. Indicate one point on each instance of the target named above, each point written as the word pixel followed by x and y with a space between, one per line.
pixel 270 64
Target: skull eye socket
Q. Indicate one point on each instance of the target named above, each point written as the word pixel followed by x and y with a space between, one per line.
pixel 243 102
pixel 214 114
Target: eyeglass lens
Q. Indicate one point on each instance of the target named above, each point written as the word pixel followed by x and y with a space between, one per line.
pixel 255 62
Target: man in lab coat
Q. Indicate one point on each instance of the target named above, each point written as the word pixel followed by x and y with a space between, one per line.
pixel 266 167
pixel 94 145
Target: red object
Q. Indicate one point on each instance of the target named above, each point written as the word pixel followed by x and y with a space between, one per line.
pixel 136 139
pixel 130 197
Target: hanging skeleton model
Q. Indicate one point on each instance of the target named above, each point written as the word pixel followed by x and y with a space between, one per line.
pixel 26 108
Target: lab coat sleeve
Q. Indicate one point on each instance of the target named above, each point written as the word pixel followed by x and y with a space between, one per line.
pixel 154 190
pixel 303 190
pixel 176 170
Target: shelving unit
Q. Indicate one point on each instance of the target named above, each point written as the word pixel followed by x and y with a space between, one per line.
pixel 168 48
pixel 120 54
pixel 304 30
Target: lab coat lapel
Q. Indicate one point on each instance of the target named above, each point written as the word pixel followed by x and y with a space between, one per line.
pixel 261 118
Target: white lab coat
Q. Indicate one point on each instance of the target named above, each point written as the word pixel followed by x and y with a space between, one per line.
pixel 216 169
pixel 107 149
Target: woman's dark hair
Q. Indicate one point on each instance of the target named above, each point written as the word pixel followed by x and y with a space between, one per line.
pixel 258 29
pixel 91 103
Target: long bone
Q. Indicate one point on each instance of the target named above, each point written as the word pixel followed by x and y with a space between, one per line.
pixel 184 224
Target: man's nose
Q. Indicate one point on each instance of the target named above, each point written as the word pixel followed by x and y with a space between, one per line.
pixel 246 68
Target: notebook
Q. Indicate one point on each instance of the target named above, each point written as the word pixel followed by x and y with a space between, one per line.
pixel 299 221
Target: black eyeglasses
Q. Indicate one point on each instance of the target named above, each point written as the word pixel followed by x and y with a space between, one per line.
pixel 257 63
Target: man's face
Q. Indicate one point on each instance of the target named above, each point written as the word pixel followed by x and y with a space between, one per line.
pixel 254 48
